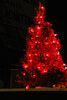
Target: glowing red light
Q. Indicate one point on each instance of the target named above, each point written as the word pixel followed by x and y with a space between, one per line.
pixel 41 16
pixel 42 8
pixel 55 34
pixel 38 67
pixel 39 22
pixel 30 60
pixel 27 87
pixel 37 27
pixel 64 64
pixel 65 67
pixel 47 55
pixel 35 41
pixel 32 38
pixel 29 55
pixel 34 76
pixel 54 86
pixel 32 30
pixel 48 23
pixel 58 53
pixel 57 42
pixel 38 87
pixel 53 41
pixel 56 48
pixel 24 74
pixel 37 36
pixel 44 71
pixel 46 43
pixel 35 54
pixel 25 66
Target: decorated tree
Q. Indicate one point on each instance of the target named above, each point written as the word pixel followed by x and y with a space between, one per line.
pixel 42 64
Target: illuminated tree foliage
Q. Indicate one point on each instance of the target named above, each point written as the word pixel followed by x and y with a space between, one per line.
pixel 42 64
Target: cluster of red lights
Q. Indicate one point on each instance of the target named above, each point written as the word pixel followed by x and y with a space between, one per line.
pixel 42 52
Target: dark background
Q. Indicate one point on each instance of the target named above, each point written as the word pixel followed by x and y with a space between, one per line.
pixel 15 17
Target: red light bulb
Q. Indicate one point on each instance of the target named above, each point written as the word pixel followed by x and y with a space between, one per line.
pixel 37 36
pixel 55 34
pixel 44 71
pixel 53 41
pixel 27 87
pixel 56 48
pixel 42 8
pixel 30 60
pixel 38 27
pixel 39 22
pixel 35 54
pixel 47 55
pixel 38 67
pixel 41 16
pixel 29 55
pixel 64 64
pixel 54 86
pixel 31 38
pixel 35 41
pixel 58 53
pixel 34 76
pixel 46 43
pixel 65 67
pixel 24 74
pixel 25 66
pixel 57 42
pixel 32 30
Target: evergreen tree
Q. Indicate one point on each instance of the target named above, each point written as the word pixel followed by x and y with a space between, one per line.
pixel 42 64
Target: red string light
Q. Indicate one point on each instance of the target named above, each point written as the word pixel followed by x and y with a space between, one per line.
pixel 27 87
pixel 29 55
pixel 24 74
pixel 25 66
pixel 38 67
pixel 44 71
pixel 30 60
